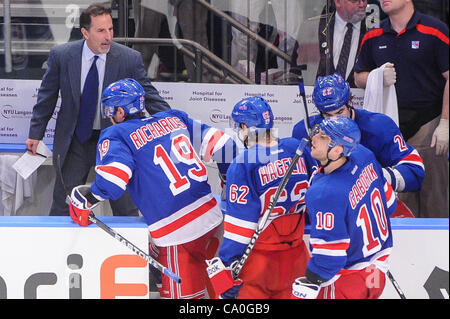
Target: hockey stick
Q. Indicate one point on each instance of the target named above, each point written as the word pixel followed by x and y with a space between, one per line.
pixel 134 248
pixel 301 87
pixel 308 130
pixel 299 152
pixel 237 269
pixel 119 237
pixel 396 285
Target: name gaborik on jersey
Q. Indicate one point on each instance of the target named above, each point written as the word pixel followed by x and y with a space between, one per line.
pixel 362 185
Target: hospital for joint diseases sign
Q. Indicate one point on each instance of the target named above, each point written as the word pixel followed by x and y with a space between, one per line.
pixel 209 103
pixel 17 98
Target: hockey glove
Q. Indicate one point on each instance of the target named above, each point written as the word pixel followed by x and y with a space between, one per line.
pixel 225 286
pixel 394 178
pixel 79 206
pixel 302 288
pixel 440 138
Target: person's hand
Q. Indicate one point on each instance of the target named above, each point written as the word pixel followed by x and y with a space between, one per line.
pixel 233 292
pixel 389 75
pixel 302 288
pixel 31 145
pixel 79 206
pixel 221 277
pixel 440 138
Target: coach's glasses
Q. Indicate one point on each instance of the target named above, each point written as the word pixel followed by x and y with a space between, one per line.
pixel 356 1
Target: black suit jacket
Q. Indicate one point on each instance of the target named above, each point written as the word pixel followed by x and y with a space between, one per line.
pixel 326 65
pixel 63 77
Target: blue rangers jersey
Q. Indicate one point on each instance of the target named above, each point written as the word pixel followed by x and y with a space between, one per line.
pixel 252 180
pixel 350 211
pixel 381 135
pixel 160 160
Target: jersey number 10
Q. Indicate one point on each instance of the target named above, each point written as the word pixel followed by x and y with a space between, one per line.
pixel 371 241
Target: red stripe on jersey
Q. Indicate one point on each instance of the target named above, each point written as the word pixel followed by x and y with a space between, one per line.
pixel 211 144
pixel 347 271
pixel 432 31
pixel 238 230
pixel 337 246
pixel 371 34
pixel 350 271
pixel 383 258
pixel 389 192
pixel 115 171
pixel 413 158
pixel 177 224
pixel 401 32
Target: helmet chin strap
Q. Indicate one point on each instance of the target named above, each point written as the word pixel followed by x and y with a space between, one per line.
pixel 246 142
pixel 329 161
pixel 244 139
pixel 352 112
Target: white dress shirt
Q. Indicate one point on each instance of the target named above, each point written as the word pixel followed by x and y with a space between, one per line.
pixel 86 61
pixel 338 40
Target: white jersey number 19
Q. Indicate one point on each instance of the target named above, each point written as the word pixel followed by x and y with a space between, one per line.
pixel 181 151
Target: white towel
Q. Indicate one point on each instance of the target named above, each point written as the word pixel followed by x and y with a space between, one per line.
pixel 378 98
pixel 14 189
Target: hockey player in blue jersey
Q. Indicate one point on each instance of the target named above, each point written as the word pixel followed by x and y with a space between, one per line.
pixel 160 160
pixel 402 165
pixel 280 254
pixel 349 204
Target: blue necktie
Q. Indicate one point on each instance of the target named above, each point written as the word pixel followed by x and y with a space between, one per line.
pixel 345 52
pixel 88 104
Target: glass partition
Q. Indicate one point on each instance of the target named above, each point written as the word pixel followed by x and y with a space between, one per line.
pixel 266 41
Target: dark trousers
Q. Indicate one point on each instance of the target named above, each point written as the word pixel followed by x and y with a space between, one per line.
pixel 433 198
pixel 79 160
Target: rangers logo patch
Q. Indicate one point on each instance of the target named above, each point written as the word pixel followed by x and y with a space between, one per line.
pixel 103 148
pixel 266 117
pixel 415 44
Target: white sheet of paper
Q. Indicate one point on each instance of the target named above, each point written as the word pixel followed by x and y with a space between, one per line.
pixel 27 163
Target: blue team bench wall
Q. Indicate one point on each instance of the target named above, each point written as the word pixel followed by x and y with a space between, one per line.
pixel 138 222
pixel 419 223
pixel 16 148
pixel 66 221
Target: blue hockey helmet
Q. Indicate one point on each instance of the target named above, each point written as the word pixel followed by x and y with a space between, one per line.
pixel 331 92
pixel 254 112
pixel 126 93
pixel 343 131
